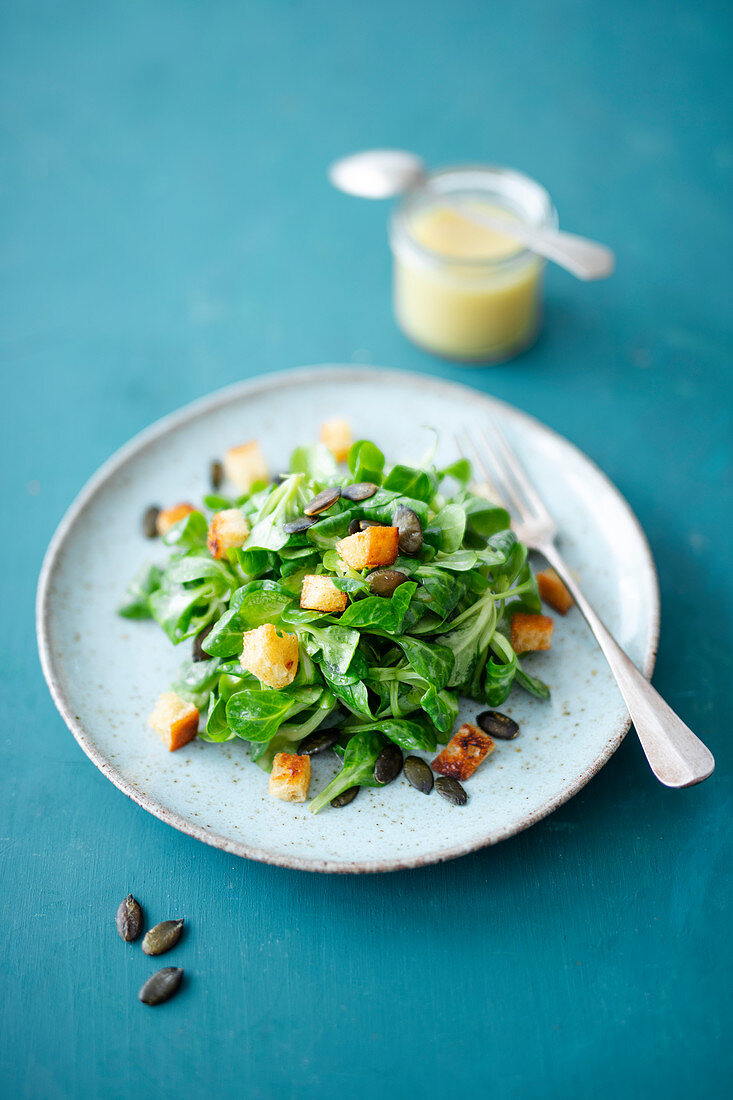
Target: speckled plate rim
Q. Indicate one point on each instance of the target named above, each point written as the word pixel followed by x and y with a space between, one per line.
pixel 301 376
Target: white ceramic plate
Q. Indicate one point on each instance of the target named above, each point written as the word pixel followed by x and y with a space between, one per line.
pixel 105 672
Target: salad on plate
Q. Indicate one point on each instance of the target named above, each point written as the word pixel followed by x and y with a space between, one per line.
pixel 344 605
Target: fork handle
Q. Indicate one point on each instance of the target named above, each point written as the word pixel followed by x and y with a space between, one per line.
pixel 676 756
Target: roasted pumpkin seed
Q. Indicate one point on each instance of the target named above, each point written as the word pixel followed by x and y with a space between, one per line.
pixel 129 919
pixel 216 474
pixel 163 937
pixel 418 774
pixel 361 490
pixel 344 798
pixel 410 528
pixel 498 725
pixel 323 500
pixel 297 526
pixel 451 790
pixel 317 742
pixel 382 582
pixel 355 527
pixel 150 521
pixel 198 653
pixel 388 764
pixel 161 986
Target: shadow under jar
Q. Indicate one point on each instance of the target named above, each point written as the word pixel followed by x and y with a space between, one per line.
pixel 462 290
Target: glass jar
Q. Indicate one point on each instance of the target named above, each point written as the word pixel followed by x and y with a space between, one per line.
pixel 460 290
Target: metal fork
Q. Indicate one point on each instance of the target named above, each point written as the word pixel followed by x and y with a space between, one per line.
pixel 676 756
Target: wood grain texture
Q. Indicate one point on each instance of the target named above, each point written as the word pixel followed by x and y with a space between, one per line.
pixel 168 229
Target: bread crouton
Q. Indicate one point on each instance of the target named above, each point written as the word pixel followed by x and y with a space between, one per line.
pixel 336 434
pixel 290 777
pixel 245 465
pixel 227 529
pixel 464 752
pixel 319 593
pixel 530 632
pixel 370 548
pixel 175 721
pixel 271 657
pixel 554 592
pixel 168 517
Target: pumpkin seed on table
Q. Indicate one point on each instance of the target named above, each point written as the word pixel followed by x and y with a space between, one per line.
pixel 451 790
pixel 323 500
pixel 162 937
pixel 344 798
pixel 498 725
pixel 198 654
pixel 360 490
pixel 418 774
pixel 383 582
pixel 297 526
pixel 129 919
pixel 150 521
pixel 161 986
pixel 317 742
pixel 216 474
pixel 388 764
pixel 410 528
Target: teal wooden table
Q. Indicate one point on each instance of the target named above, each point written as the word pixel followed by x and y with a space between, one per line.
pixel 167 229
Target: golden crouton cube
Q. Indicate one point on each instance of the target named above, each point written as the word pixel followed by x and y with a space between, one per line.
pixel 175 721
pixel 319 593
pixel 530 632
pixel 271 657
pixel 168 517
pixel 245 465
pixel 290 777
pixel 336 434
pixel 227 529
pixel 464 752
pixel 554 592
pixel 370 548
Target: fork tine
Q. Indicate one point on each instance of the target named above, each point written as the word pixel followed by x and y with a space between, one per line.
pixel 534 500
pixel 501 471
pixel 483 468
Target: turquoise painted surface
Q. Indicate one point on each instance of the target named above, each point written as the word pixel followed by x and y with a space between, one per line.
pixel 167 229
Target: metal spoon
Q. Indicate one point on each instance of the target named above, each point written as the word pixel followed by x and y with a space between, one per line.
pixel 383 173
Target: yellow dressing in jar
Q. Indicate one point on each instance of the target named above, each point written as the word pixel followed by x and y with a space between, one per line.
pixel 463 290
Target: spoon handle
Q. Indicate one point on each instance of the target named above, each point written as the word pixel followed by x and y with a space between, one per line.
pixel 582 257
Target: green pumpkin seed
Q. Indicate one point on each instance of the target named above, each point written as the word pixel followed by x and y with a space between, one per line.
pixel 383 582
pixel 344 798
pixel 161 986
pixel 216 474
pixel 388 764
pixel 410 528
pixel 323 500
pixel 163 937
pixel 360 490
pixel 364 523
pixel 198 653
pixel 498 725
pixel 150 521
pixel 297 526
pixel 317 742
pixel 129 919
pixel 355 527
pixel 418 774
pixel 451 790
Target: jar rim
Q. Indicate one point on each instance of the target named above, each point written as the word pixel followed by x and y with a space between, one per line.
pixel 512 190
